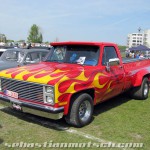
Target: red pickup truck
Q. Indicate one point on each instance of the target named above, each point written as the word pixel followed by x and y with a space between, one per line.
pixel 73 78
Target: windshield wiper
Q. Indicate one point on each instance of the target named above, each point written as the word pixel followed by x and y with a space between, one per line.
pixel 59 61
pixel 74 63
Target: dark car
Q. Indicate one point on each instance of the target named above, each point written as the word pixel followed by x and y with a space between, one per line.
pixel 18 57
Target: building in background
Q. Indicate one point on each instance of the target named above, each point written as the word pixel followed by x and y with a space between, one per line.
pixel 146 38
pixel 140 38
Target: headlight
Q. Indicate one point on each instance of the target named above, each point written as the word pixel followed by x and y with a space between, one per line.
pixel 49 89
pixel 49 99
pixel 49 95
pixel 0 86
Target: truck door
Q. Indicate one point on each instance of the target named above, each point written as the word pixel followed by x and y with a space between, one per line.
pixel 115 74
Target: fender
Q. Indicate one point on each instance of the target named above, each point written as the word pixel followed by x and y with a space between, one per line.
pixel 137 79
pixel 68 99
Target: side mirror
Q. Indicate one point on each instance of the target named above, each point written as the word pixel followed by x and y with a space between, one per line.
pixel 112 62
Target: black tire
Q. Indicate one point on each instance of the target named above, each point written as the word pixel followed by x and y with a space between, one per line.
pixel 142 91
pixel 81 110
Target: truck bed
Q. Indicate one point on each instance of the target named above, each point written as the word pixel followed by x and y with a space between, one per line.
pixel 133 65
pixel 129 60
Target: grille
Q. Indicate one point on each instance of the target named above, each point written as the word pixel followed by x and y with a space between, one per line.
pixel 25 90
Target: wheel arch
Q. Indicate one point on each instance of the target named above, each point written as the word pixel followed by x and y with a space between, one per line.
pixel 140 92
pixel 138 78
pixel 90 91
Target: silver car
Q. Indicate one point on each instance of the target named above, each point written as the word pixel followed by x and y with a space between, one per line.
pixel 18 57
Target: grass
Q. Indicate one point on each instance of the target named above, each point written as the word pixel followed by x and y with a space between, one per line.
pixel 118 120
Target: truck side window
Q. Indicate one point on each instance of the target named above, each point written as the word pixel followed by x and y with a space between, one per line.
pixel 109 53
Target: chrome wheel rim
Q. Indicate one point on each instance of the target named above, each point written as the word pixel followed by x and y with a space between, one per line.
pixel 85 110
pixel 145 89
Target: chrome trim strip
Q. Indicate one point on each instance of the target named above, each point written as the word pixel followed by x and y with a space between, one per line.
pixel 36 107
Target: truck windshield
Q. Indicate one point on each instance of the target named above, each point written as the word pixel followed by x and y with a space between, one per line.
pixel 85 55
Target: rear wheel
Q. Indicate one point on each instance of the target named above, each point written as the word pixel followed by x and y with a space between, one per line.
pixel 81 110
pixel 142 91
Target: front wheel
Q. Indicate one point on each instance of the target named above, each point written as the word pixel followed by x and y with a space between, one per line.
pixel 81 110
pixel 142 91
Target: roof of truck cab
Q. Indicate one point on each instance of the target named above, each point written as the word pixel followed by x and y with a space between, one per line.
pixel 81 43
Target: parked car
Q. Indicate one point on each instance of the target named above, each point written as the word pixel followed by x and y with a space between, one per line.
pixel 74 77
pixel 3 49
pixel 19 57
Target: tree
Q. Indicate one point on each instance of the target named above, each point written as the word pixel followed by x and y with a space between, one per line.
pixel 9 41
pixel 21 41
pixel 3 38
pixel 35 36
pixel 47 42
pixel 122 47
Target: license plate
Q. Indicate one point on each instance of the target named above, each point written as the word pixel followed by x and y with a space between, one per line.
pixel 16 106
pixel 12 94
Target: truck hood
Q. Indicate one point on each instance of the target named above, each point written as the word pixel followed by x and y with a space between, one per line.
pixel 7 64
pixel 66 78
pixel 46 73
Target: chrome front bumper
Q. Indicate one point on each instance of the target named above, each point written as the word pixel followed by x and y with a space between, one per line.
pixel 36 109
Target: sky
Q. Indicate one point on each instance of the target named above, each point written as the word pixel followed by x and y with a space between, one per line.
pixel 74 20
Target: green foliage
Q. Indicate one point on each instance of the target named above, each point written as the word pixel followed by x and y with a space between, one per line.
pixel 47 42
pixel 10 41
pixel 122 48
pixel 21 41
pixel 35 36
pixel 3 38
